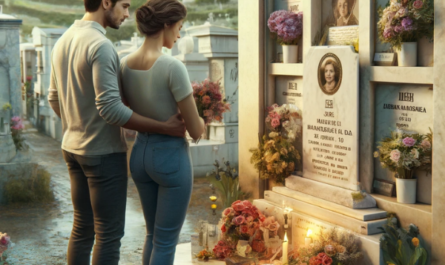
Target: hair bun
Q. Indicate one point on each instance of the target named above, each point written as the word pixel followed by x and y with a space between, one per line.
pixel 145 13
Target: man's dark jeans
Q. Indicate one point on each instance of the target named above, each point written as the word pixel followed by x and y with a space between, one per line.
pixel 99 195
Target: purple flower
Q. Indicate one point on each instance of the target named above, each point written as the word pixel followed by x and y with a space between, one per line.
pixel 407 23
pixel 287 25
pixel 408 141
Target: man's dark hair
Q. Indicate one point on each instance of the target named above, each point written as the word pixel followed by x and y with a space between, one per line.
pixel 93 5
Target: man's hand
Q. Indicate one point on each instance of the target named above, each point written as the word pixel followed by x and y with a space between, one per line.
pixel 175 126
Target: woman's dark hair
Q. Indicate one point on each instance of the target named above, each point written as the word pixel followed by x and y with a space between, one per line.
pixel 93 5
pixel 153 15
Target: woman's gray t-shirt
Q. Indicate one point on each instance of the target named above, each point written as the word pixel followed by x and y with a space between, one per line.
pixel 154 93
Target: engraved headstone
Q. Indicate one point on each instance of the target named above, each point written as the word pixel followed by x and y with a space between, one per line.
pixel 330 124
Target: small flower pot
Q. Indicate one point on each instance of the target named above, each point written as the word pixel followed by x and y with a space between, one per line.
pixel 407 55
pixel 290 53
pixel 406 190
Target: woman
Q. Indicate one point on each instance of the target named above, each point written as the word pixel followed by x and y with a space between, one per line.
pixel 330 75
pixel 157 85
pixel 343 13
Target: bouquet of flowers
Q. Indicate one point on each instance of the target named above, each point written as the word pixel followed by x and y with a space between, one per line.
pixel 334 247
pixel 16 131
pixel 406 21
pixel 403 152
pixel 5 244
pixel 241 221
pixel 287 26
pixel 275 158
pixel 284 120
pixel 209 100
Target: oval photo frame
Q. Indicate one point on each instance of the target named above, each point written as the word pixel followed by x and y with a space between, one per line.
pixel 335 61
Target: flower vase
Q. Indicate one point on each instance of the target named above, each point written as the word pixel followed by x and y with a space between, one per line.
pixel 407 55
pixel 290 53
pixel 243 248
pixel 406 190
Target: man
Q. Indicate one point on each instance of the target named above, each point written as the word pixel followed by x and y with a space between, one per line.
pixel 84 92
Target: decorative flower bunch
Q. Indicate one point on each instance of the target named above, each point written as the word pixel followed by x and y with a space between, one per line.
pixel 205 255
pixel 406 21
pixel 287 26
pixel 275 158
pixel 333 247
pixel 209 100
pixel 403 152
pixel 284 120
pixel 5 244
pixel 241 221
pixel 16 131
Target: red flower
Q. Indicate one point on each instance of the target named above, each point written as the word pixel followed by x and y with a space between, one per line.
pixel 258 246
pixel 239 207
pixel 223 228
pixel 244 229
pixel 239 220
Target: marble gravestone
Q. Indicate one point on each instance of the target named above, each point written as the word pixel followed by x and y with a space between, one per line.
pixel 330 130
pixel 406 108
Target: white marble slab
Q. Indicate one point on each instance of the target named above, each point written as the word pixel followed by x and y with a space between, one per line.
pixel 330 125
pixel 359 214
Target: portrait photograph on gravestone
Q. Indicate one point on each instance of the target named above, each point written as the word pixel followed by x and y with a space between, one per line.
pixel 330 74
pixel 343 11
pixel 341 21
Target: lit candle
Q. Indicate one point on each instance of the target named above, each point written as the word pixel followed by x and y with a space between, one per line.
pixel 308 239
pixel 213 198
pixel 285 246
pixel 213 206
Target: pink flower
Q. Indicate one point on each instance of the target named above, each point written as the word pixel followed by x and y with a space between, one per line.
pixel 275 123
pixel 206 100
pixel 249 219
pixel 239 220
pixel 273 226
pixel 244 229
pixel 208 113
pixel 5 240
pixel 228 211
pixel 395 155
pixel 235 202
pixel 408 141
pixel 223 228
pixel 418 4
pixel 425 144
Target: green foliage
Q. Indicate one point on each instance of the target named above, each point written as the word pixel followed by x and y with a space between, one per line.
pixel 48 17
pixel 226 182
pixel 7 106
pixel 30 184
pixel 203 15
pixel 402 247
pixel 211 1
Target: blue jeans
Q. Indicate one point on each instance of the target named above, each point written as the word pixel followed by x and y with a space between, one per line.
pixel 162 170
pixel 99 195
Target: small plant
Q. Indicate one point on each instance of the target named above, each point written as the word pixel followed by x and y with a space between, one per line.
pixel 35 187
pixel 226 182
pixel 402 247
pixel 5 244
pixel 7 106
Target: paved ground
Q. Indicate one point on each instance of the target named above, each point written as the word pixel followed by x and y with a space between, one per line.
pixel 41 231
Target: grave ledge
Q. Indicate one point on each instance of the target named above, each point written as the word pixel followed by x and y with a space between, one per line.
pixel 287 69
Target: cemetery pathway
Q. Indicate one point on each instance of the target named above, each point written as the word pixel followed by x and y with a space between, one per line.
pixel 41 231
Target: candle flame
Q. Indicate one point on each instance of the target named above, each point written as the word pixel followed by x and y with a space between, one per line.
pixel 309 233
pixel 285 237
pixel 213 206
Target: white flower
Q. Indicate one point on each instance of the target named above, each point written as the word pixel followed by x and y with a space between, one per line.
pixel 415 153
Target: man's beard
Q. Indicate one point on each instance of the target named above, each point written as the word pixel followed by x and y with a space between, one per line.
pixel 110 19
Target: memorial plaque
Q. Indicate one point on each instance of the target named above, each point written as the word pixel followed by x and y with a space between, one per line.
pixel 407 107
pixel 289 90
pixel 330 124
pixel 301 224
pixel 343 35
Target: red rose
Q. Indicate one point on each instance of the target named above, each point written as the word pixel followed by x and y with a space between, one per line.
pixel 223 228
pixel 239 207
pixel 239 220
pixel 244 229
pixel 247 203
pixel 327 260
pixel 228 211
pixel 235 202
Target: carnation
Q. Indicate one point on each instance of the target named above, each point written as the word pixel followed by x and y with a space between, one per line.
pixel 408 141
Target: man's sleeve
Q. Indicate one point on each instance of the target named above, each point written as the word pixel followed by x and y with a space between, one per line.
pixel 105 65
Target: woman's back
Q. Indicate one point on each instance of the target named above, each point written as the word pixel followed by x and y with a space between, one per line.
pixel 154 93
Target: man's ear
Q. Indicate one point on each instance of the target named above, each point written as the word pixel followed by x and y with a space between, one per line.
pixel 107 4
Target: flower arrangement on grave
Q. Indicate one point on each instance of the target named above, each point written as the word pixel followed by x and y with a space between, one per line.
pixel 286 26
pixel 209 100
pixel 402 246
pixel 16 131
pixel 333 247
pixel 226 182
pixel 402 153
pixel 243 221
pixel 276 156
pixel 406 21
pixel 205 255
pixel 5 244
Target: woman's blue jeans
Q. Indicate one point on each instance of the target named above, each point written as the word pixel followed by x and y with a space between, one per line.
pixel 162 170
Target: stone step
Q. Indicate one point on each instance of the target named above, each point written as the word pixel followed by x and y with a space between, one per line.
pixel 349 223
pixel 328 192
pixel 359 214
pixel 299 223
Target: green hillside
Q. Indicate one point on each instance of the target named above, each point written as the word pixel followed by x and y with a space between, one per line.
pixel 62 13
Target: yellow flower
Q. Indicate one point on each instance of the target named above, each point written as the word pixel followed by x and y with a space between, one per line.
pixel 213 198
pixel 415 241
pixel 356 45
